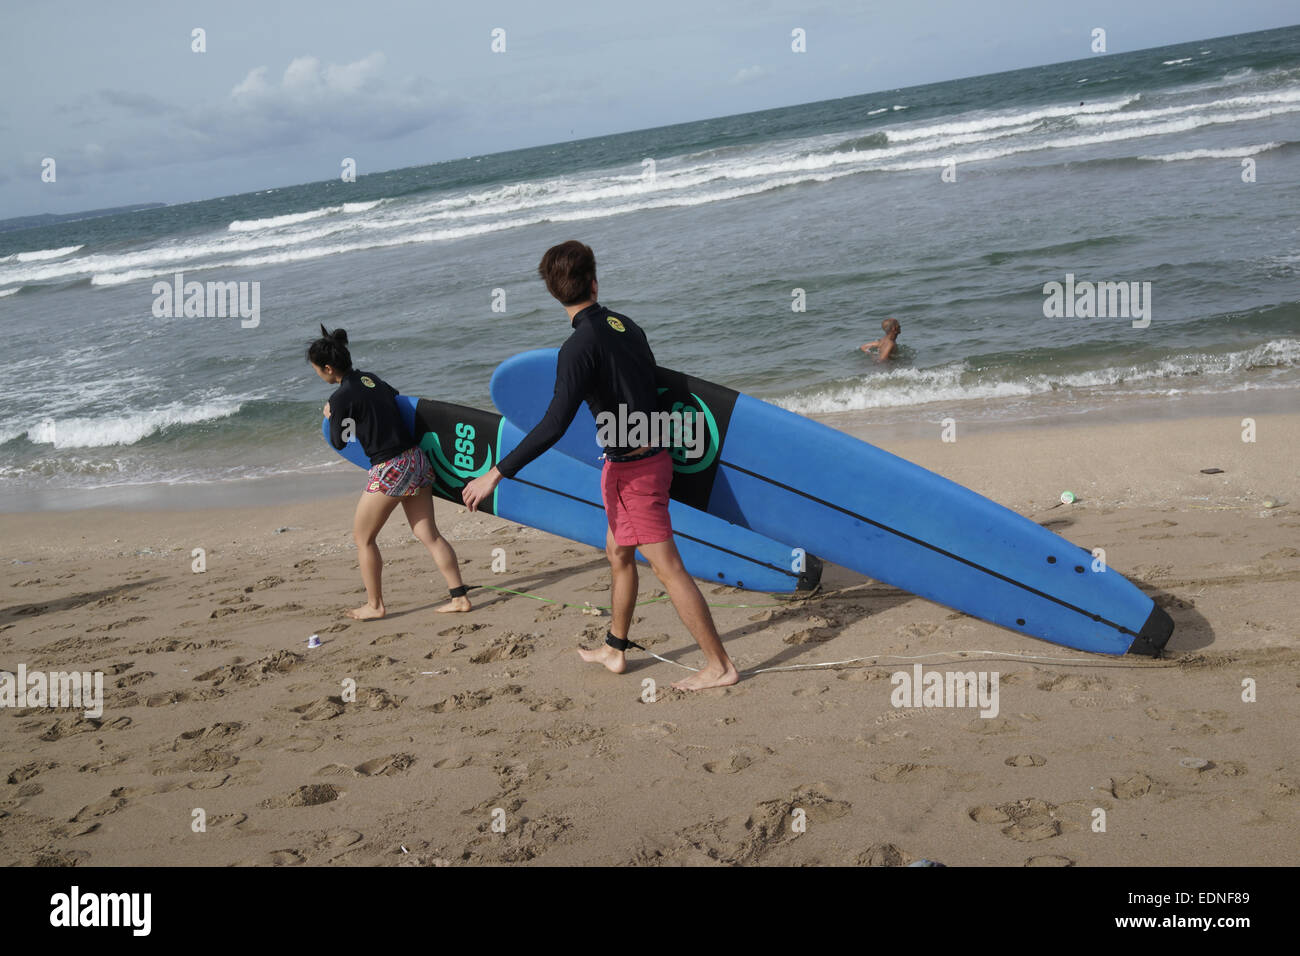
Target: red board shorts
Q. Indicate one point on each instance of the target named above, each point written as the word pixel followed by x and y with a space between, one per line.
pixel 636 499
pixel 402 476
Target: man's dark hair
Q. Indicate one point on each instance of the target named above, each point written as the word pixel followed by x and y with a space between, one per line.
pixel 568 270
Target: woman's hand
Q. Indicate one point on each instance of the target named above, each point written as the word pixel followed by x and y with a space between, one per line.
pixel 327 409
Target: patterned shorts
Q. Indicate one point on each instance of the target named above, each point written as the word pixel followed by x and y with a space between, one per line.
pixel 402 476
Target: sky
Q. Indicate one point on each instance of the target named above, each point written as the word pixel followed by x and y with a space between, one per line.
pixel 130 112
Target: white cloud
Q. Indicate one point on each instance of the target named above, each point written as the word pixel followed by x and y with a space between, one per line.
pixel 306 80
pixel 748 74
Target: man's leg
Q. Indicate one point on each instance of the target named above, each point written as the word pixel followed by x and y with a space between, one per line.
pixel 718 670
pixel 622 566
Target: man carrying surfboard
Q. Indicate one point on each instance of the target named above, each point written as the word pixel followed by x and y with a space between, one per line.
pixel 607 362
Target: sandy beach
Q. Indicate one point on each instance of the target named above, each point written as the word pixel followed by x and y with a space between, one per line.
pixel 481 738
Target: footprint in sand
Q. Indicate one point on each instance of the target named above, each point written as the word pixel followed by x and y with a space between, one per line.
pixel 452 763
pixel 166 699
pixel 115 625
pixel 224 611
pixel 378 662
pixel 1074 682
pixel 379 699
pixel 734 763
pixel 810 635
pixel 880 854
pixel 1049 861
pixel 324 708
pixel 388 766
pixel 286 858
pixel 461 629
pixel 1028 820
pixel 508 647
pixel 336 839
pixel 768 824
pixel 1025 760
pixel 27 771
pixel 70 726
pixel 115 801
pixel 992 725
pixel 389 638
pixel 473 699
pixel 220 731
pixel 549 705
pixel 309 795
pixel 337 770
pixel 230 820
pixel 525 840
pixel 205 761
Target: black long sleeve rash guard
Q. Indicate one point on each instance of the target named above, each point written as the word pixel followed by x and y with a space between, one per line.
pixel 606 362
pixel 371 403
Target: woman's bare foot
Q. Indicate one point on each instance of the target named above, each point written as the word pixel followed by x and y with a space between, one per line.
pixel 615 661
pixel 709 677
pixel 367 612
pixel 456 605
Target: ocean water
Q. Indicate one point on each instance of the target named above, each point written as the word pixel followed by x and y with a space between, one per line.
pixel 1124 168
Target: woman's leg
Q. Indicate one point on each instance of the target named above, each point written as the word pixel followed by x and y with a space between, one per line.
pixel 372 511
pixel 419 512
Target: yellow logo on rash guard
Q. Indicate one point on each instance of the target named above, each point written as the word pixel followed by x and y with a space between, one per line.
pixel 615 324
pixel 367 381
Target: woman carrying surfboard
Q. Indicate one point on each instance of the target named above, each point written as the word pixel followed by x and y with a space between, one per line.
pixel 364 408
pixel 608 363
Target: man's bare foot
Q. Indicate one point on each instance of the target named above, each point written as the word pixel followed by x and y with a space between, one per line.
pixel 709 677
pixel 456 605
pixel 367 612
pixel 615 661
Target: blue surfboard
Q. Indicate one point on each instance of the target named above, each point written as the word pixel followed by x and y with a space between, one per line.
pixel 561 496
pixel 807 485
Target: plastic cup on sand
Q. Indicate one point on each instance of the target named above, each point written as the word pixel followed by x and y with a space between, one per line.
pixel 313 641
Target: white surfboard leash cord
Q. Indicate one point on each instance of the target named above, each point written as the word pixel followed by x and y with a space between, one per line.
pixel 877 658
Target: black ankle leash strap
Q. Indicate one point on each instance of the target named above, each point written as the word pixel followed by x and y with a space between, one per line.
pixel 460 591
pixel 620 644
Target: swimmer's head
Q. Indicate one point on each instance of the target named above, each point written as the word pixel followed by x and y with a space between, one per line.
pixel 891 326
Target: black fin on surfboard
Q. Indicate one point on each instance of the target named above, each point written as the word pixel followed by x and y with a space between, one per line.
pixel 812 573
pixel 1153 637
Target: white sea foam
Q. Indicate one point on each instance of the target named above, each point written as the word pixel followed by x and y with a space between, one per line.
pixel 1236 152
pixel 689 180
pixel 1186 59
pixel 41 255
pixel 956 381
pixel 5 292
pixel 293 218
pixel 1005 119
pixel 127 429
